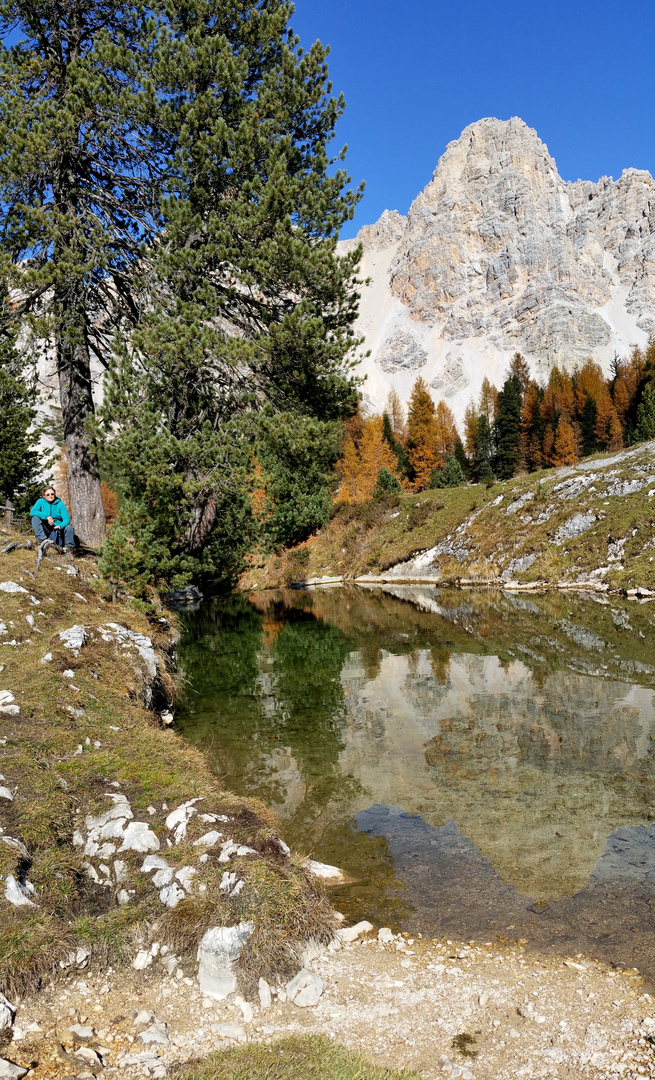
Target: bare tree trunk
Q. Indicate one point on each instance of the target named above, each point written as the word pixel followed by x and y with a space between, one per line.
pixel 87 511
pixel 9 513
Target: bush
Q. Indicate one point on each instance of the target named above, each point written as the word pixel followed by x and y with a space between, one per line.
pixel 385 484
pixel 451 475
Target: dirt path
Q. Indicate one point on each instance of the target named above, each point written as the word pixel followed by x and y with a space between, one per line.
pixel 445 1010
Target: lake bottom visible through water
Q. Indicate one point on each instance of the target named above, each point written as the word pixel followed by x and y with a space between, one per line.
pixel 480 765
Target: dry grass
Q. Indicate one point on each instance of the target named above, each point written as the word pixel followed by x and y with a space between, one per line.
pixel 295 1058
pixel 56 784
pixel 372 537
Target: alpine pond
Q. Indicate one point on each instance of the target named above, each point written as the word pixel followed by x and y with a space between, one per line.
pixel 480 764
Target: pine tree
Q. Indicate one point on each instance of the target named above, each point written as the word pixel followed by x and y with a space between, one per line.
pixel 461 458
pixel 393 443
pixel 450 476
pixel 386 484
pixel 519 369
pixel 397 414
pixel 19 463
pixel 422 436
pixel 80 160
pixel 531 430
pixel 348 471
pixel 607 431
pixel 588 425
pixel 471 427
pixel 249 309
pixel 488 398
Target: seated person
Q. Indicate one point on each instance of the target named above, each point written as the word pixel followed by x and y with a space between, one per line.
pixel 51 520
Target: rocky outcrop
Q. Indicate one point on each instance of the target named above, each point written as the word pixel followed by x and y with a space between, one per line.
pixel 499 254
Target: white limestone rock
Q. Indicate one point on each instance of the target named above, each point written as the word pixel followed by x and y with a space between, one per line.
pixel 324 870
pixel 305 989
pixel 218 949
pixel 264 992
pixel 10 1071
pixel 73 638
pixel 155 1035
pixel 139 837
pixel 11 587
pixel 7 1013
pixel 171 895
pixel 19 893
pixel 351 933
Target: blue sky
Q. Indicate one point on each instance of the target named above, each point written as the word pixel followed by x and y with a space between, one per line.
pixel 415 74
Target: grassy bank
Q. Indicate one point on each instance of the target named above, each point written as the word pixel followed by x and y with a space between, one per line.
pixel 79 735
pixel 529 530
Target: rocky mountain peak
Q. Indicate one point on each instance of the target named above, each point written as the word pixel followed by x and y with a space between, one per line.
pixel 498 253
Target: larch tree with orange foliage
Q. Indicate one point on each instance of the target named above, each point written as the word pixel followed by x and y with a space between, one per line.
pixel 361 462
pixel 608 430
pixel 445 433
pixel 471 427
pixel 397 415
pixel 422 435
pixel 565 449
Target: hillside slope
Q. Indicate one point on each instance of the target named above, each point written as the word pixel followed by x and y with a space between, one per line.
pixel 591 525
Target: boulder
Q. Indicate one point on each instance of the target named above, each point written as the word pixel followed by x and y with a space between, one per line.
pixel 217 951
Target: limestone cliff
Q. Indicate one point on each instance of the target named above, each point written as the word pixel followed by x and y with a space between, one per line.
pixel 499 254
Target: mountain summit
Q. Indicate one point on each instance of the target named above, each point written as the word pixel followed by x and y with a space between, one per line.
pixel 499 254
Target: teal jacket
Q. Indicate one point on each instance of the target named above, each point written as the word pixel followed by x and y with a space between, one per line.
pixel 56 510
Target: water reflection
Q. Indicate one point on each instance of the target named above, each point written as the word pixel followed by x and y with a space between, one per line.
pixel 512 735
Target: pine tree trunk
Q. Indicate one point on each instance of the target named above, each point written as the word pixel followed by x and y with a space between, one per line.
pixel 86 509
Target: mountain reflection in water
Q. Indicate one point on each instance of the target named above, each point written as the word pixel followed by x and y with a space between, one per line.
pixel 480 764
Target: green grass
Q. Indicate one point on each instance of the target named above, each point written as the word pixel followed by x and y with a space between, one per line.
pixel 55 786
pixel 295 1058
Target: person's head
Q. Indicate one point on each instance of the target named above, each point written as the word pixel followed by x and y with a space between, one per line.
pixel 49 493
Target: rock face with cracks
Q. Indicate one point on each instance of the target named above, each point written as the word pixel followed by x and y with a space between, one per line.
pixel 499 254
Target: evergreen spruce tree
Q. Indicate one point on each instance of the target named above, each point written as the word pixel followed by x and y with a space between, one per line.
pixel 80 158
pixel 450 476
pixel 393 443
pixel 481 464
pixel 645 428
pixel 507 435
pixel 386 484
pixel 461 458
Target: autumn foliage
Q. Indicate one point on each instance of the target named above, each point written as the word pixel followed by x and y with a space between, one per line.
pixel 522 427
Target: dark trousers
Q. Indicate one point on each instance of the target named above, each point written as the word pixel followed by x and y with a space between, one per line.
pixel 42 531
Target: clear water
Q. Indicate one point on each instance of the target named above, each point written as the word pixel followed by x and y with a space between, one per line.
pixel 481 765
